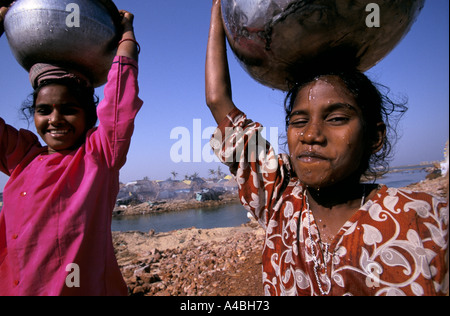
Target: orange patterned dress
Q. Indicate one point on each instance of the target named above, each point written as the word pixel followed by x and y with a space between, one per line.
pixel 396 244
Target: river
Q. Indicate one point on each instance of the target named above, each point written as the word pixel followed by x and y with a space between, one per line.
pixel 227 215
pixel 230 215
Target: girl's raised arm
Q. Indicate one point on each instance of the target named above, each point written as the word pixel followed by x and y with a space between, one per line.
pixel 3 9
pixel 218 82
pixel 128 46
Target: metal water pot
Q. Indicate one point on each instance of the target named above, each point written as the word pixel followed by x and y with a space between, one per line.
pixel 76 34
pixel 276 40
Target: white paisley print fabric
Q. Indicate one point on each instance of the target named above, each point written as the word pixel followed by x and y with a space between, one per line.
pixel 395 245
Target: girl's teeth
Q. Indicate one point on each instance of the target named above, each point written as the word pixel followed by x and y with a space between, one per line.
pixel 58 132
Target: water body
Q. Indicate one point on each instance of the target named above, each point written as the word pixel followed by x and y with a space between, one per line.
pixel 403 179
pixel 204 218
pixel 227 215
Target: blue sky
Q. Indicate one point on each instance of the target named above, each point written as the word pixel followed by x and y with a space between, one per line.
pixel 173 36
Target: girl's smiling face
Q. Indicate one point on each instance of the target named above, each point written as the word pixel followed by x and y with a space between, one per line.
pixel 59 118
pixel 325 133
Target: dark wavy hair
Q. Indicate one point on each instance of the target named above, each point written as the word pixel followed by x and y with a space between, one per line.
pixel 376 107
pixel 85 96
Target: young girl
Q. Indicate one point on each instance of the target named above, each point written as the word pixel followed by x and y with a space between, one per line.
pixel 55 226
pixel 326 232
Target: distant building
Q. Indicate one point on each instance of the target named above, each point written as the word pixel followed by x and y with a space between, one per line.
pixel 207 195
pixel 142 191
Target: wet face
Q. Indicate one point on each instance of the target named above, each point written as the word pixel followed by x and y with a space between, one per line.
pixel 325 133
pixel 59 118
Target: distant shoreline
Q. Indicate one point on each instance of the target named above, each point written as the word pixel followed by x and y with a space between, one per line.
pixel 172 206
pixel 423 166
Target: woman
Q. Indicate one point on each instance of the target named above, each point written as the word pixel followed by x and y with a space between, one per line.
pixel 326 232
pixel 55 226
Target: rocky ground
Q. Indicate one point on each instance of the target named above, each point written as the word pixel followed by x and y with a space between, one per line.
pixel 194 262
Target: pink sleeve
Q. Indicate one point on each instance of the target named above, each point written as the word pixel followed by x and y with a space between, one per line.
pixel 117 112
pixel 14 146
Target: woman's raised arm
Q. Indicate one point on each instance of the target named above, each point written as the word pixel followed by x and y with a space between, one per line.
pixel 218 82
pixel 128 46
pixel 4 7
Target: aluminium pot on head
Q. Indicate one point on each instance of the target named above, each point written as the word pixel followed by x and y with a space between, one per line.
pixel 276 41
pixel 38 32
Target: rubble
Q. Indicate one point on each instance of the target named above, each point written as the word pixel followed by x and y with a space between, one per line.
pixel 192 262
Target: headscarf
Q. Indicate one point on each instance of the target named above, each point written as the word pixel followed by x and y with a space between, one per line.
pixel 42 72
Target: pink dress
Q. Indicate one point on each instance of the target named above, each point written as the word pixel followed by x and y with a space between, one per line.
pixel 55 226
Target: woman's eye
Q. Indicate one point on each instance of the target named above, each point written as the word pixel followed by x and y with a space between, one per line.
pixel 43 110
pixel 298 122
pixel 70 111
pixel 338 119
